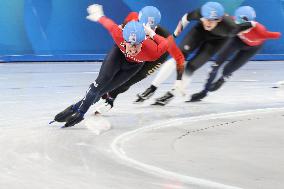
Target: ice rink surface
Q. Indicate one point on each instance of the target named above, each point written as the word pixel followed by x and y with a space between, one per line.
pixel 232 139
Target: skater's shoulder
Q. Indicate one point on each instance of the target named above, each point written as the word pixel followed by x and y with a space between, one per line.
pixel 162 31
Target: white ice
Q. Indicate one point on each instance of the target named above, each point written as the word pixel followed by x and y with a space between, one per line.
pixel 232 139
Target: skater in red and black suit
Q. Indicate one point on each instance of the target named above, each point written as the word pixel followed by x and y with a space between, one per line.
pixel 243 46
pixel 119 66
pixel 152 16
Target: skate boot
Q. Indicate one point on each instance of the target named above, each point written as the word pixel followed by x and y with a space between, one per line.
pixel 217 85
pixel 65 114
pixel 162 101
pixel 198 96
pixel 146 94
pixel 74 119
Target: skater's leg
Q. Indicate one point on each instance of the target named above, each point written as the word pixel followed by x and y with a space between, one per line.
pixel 165 72
pixel 203 55
pixel 189 43
pixel 205 52
pixel 110 67
pixel 109 98
pixel 94 93
pixel 240 59
pixel 208 51
pixel 127 72
pixel 228 50
pixel 148 69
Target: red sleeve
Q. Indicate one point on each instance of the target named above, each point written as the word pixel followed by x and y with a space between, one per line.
pixel 273 35
pixel 162 44
pixel 132 16
pixel 262 31
pixel 176 53
pixel 111 26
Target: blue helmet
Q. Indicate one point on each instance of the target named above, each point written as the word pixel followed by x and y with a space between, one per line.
pixel 212 11
pixel 150 15
pixel 245 14
pixel 133 32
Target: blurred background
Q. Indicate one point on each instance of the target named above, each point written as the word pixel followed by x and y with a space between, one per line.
pixel 56 30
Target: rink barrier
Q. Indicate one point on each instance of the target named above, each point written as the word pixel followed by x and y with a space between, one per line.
pixel 53 58
pixel 98 57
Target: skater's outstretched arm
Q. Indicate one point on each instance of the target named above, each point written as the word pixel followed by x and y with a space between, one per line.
pixel 265 34
pixel 162 43
pixel 185 20
pixel 176 53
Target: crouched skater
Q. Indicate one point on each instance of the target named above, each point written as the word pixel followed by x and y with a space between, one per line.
pixel 137 43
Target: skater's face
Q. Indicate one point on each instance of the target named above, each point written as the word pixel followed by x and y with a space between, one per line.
pixel 209 24
pixel 132 50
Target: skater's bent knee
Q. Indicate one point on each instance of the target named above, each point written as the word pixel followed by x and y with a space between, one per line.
pixel 103 79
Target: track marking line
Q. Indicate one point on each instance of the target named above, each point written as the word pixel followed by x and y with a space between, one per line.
pixel 118 144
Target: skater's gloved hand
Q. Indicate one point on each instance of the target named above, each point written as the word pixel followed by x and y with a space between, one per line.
pixel 95 12
pixel 179 86
pixel 178 30
pixel 149 31
pixel 181 25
